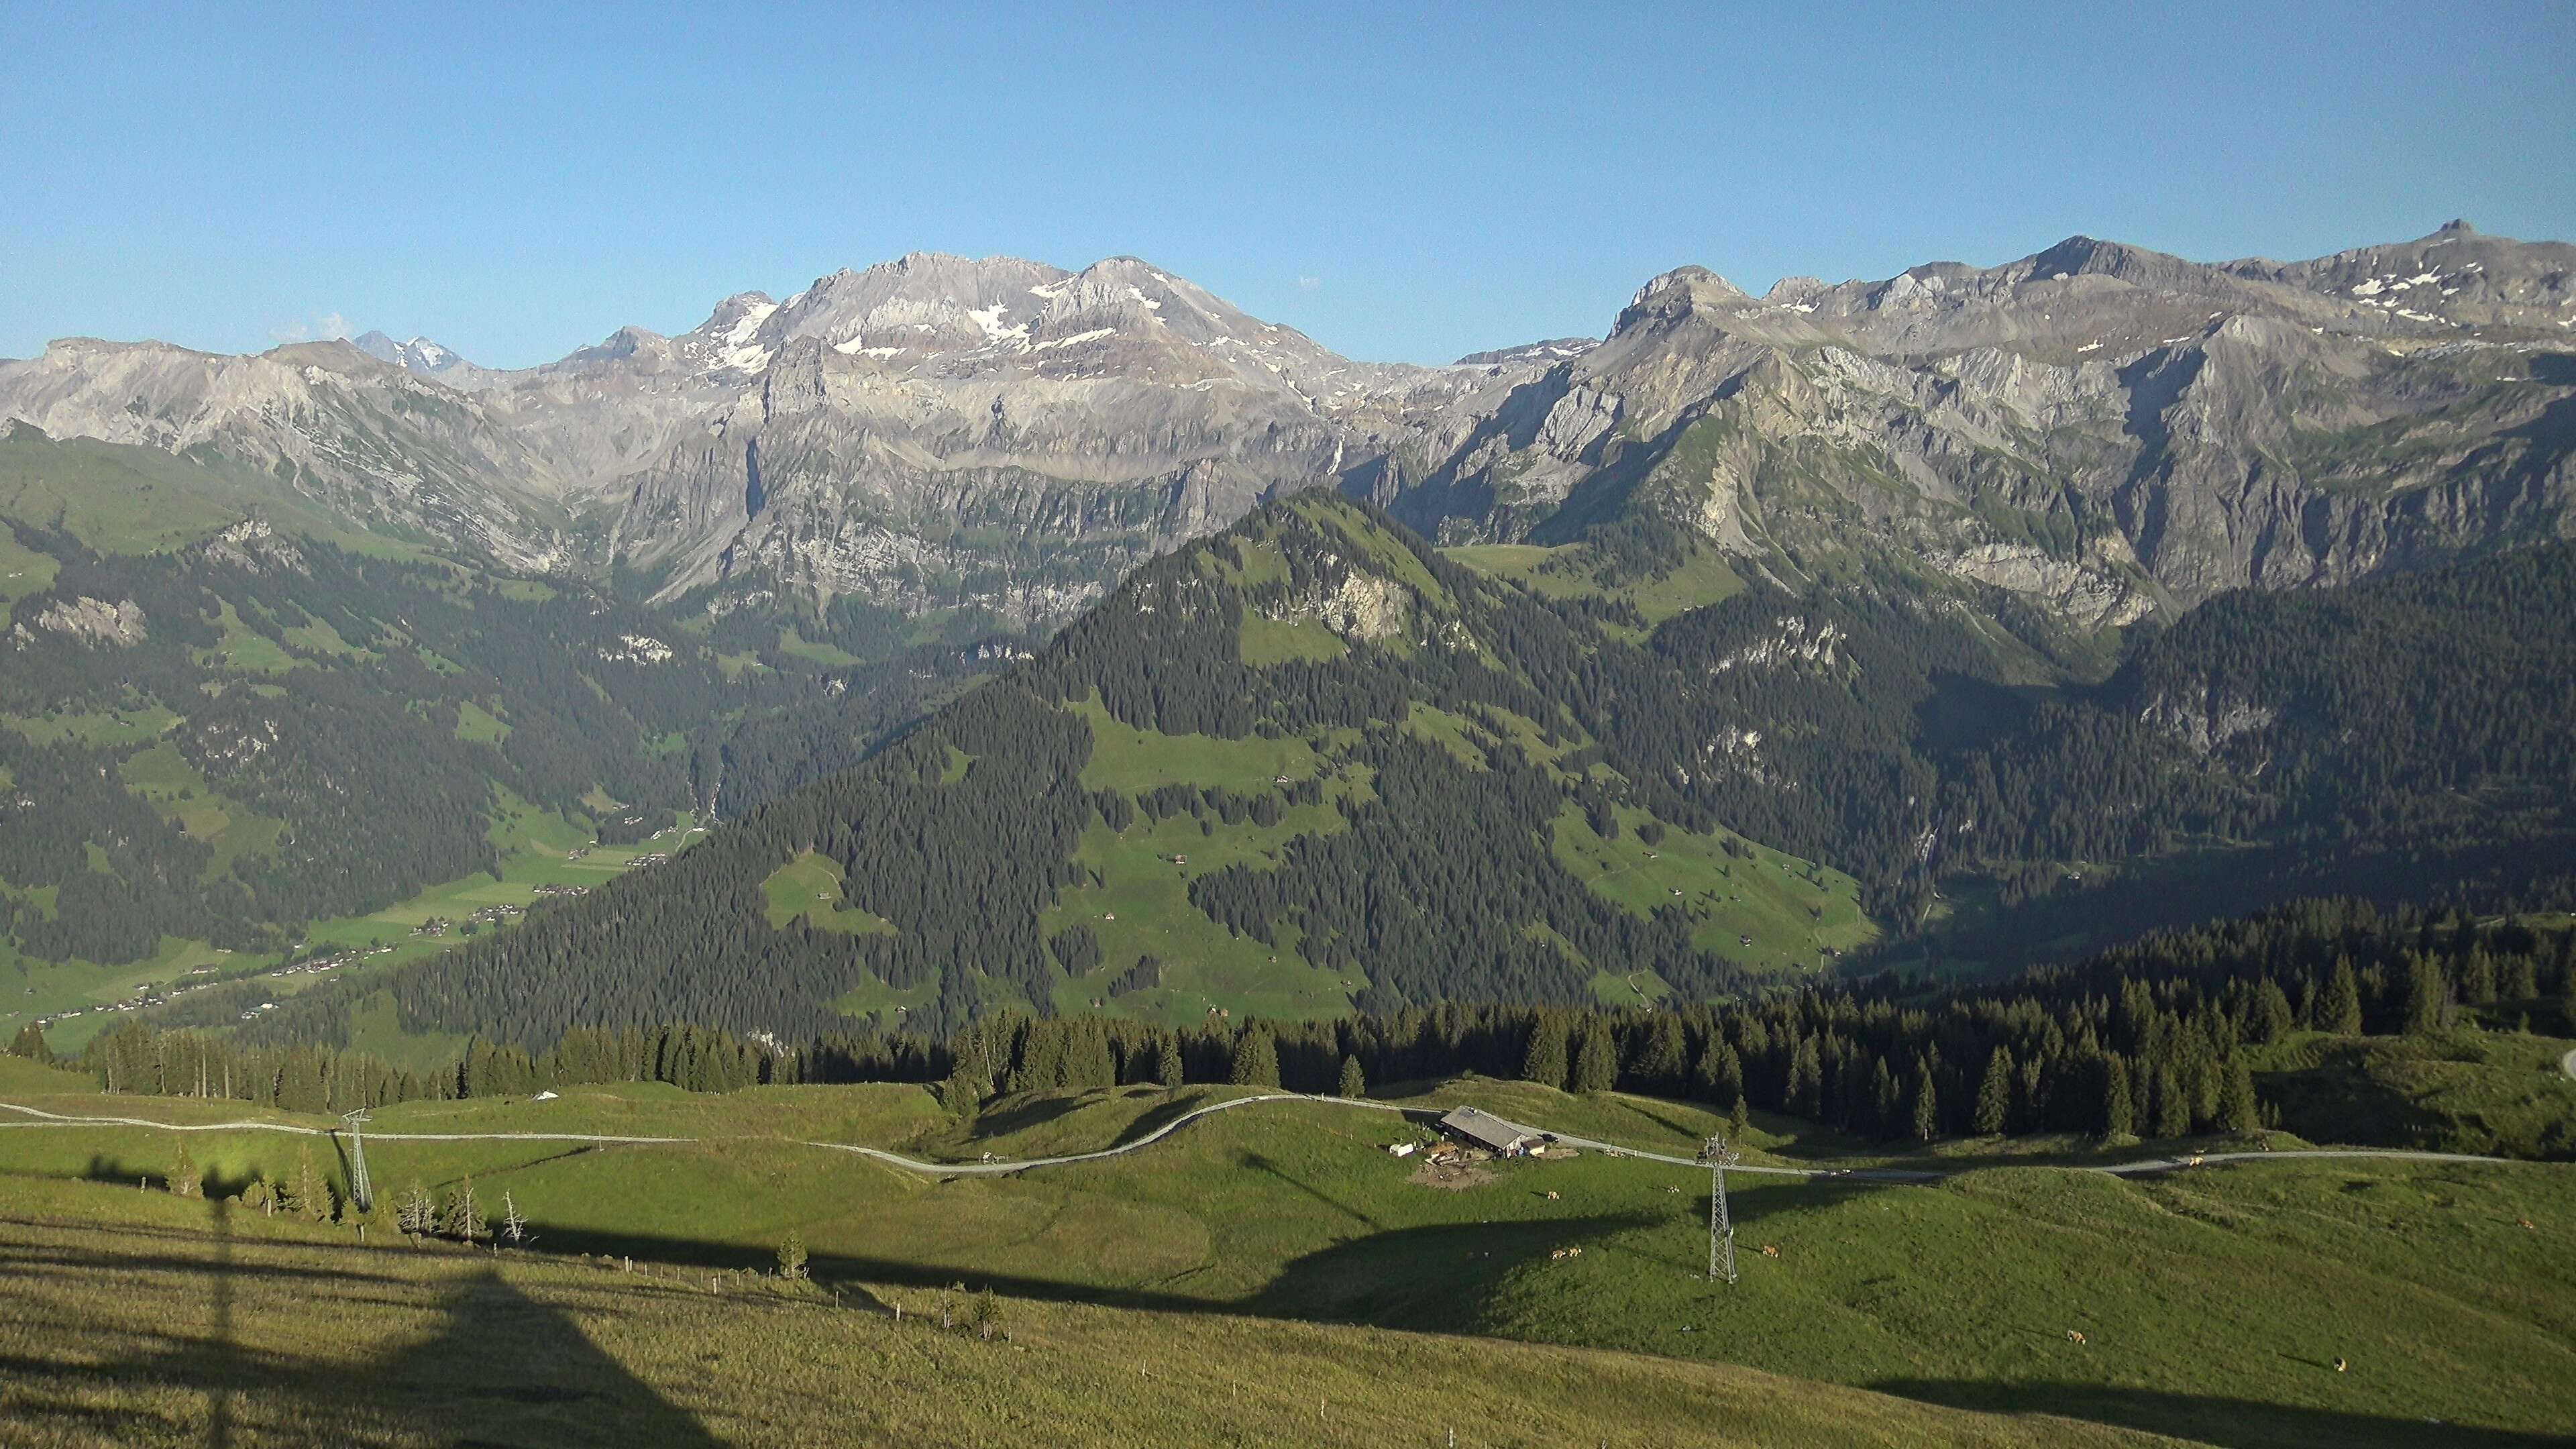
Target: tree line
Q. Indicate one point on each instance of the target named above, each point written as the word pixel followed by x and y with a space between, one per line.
pixel 2159 1038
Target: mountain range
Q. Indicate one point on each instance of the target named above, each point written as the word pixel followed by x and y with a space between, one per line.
pixel 1902 621
pixel 2104 432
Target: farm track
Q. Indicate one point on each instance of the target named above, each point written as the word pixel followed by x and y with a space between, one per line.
pixel 1005 1167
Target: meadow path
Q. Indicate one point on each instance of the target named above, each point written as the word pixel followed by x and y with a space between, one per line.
pixel 995 1167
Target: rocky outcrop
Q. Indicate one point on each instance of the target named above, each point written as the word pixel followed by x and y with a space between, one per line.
pixel 2102 431
pixel 1356 605
pixel 2099 430
pixel 94 621
pixel 253 547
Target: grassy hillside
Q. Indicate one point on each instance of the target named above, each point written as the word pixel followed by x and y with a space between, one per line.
pixel 2212 1302
pixel 169 1323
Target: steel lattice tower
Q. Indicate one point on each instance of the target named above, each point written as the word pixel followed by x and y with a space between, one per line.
pixel 1721 1228
pixel 361 1191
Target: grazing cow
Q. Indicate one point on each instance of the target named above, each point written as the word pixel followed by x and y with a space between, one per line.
pixel 2339 1364
pixel 1770 1250
pixel 1551 1196
pixel 2074 1337
pixel 2525 1225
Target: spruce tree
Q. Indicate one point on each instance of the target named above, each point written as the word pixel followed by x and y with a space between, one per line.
pixel 1994 1095
pixel 2118 1117
pixel 1663 1058
pixel 1596 1061
pixel 1167 1061
pixel 2173 1107
pixel 2239 1110
pixel 1927 1110
pixel 2339 1009
pixel 461 1218
pixel 1545 1060
pixel 2271 1019
pixel 1353 1085
pixel 186 1180
pixel 30 1043
pixel 1738 1119
pixel 1256 1058
pixel 2428 995
pixel 2478 978
pixel 1806 1081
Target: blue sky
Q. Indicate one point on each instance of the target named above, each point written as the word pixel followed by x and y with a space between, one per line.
pixel 1401 182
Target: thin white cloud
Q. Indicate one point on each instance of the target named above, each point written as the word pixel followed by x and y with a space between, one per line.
pixel 1310 283
pixel 323 328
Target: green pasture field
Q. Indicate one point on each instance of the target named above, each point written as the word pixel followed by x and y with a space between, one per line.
pixel 1793 909
pixel 148 1320
pixel 2212 1302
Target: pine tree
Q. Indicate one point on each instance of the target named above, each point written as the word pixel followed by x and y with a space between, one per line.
pixel 1256 1058
pixel 186 1180
pixel 2271 1019
pixel 2339 1010
pixel 1886 1101
pixel 2118 1117
pixel 1663 1058
pixel 962 1093
pixel 30 1043
pixel 1806 1081
pixel 461 1219
pixel 1994 1095
pixel 514 1228
pixel 416 1215
pixel 2478 978
pixel 1353 1084
pixel 2173 1108
pixel 1167 1061
pixel 1596 1061
pixel 2239 1110
pixel 1545 1061
pixel 988 1313
pixel 2428 995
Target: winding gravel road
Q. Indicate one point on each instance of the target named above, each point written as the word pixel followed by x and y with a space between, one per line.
pixel 32 1117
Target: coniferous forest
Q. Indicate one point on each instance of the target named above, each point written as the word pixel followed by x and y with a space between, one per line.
pixel 2164 1037
pixel 283 730
pixel 1455 731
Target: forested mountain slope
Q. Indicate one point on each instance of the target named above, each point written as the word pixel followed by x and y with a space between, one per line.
pixel 226 715
pixel 1314 763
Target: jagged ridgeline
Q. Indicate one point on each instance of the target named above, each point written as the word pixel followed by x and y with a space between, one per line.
pixel 1313 764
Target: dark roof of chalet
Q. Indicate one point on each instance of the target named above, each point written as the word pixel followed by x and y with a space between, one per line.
pixel 1485 1129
